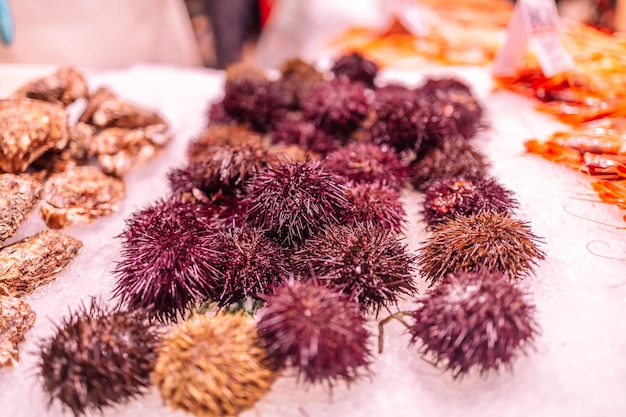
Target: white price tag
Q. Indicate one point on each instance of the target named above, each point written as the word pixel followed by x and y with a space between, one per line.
pixel 534 25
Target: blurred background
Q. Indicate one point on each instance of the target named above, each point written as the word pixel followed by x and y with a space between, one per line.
pixel 210 33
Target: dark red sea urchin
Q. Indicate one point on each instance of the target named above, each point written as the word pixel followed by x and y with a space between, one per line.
pixel 252 265
pixel 366 262
pixel 337 106
pixel 492 240
pixel 367 163
pixel 316 330
pixel 222 168
pixel 454 100
pixel 377 204
pixel 294 201
pixel 452 158
pixel 401 118
pixel 356 67
pixel 294 130
pixel 98 358
pixel 168 260
pixel 474 320
pixel 299 78
pixel 462 196
pixel 256 102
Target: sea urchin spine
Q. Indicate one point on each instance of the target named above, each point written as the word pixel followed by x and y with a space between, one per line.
pixel 316 330
pixel 368 263
pixel 213 366
pixel 493 240
pixel 474 320
pixel 98 358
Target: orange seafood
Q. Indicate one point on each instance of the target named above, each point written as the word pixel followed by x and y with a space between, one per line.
pixel 593 90
pixel 597 149
pixel 474 32
pixel 612 192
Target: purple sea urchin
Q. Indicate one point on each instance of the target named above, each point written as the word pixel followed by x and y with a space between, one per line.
pixel 367 163
pixel 221 135
pixel 400 118
pixel 223 168
pixel 452 158
pixel 375 203
pixel 366 262
pixel 258 103
pixel 462 196
pixel 466 243
pixel 296 131
pixel 454 100
pixel 356 68
pixel 300 78
pixel 294 201
pixel 316 330
pixel 98 358
pixel 251 263
pixel 474 320
pixel 168 258
pixel 337 106
pixel 218 115
pixel 213 366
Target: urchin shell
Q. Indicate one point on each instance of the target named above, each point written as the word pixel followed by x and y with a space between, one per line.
pixel 317 331
pixel 462 196
pixel 452 158
pixel 454 100
pixel 376 204
pixel 295 130
pixel 356 67
pixel 221 135
pixel 337 106
pixel 474 320
pixel 255 102
pixel 223 168
pixel 98 358
pixel 401 118
pixel 294 201
pixel 300 78
pixel 213 366
pixel 168 258
pixel 367 163
pixel 251 263
pixel 492 240
pixel 218 115
pixel 368 263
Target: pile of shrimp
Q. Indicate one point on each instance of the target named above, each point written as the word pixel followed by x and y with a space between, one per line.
pixel 591 98
pixel 594 89
pixel 596 148
pixel 454 37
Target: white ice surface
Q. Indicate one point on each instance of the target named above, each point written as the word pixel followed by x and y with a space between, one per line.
pixel 577 369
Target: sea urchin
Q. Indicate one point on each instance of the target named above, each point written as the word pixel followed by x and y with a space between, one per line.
pixel 294 200
pixel 474 320
pixel 316 330
pixel 213 366
pixel 98 358
pixel 168 258
pixel 461 196
pixel 366 262
pixel 493 240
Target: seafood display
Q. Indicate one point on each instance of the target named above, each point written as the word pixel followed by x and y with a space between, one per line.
pixel 73 172
pixel 452 37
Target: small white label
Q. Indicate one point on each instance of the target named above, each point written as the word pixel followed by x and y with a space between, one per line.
pixel 534 25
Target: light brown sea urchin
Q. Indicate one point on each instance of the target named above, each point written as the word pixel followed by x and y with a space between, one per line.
pixel 213 366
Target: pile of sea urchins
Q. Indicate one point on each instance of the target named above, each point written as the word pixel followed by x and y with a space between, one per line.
pixel 290 200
